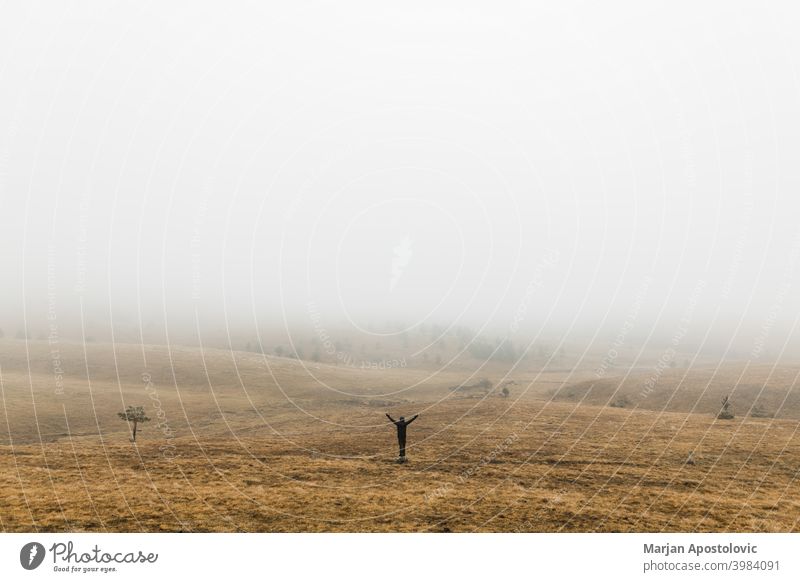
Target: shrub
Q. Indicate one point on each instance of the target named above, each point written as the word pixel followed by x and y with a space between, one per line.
pixel 760 412
pixel 620 402
pixel 726 412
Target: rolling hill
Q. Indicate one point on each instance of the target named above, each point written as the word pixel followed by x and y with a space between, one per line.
pixel 759 390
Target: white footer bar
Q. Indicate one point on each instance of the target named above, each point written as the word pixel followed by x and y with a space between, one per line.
pixel 388 557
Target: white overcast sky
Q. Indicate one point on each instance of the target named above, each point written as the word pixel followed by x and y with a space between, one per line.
pixel 415 160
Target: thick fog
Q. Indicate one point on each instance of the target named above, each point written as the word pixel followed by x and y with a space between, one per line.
pixel 569 167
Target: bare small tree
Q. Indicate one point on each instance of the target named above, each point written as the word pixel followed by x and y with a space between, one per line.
pixel 134 415
pixel 726 412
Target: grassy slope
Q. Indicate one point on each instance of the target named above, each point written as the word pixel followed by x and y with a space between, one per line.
pixel 291 454
pixel 774 390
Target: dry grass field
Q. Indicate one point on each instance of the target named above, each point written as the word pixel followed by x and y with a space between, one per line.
pixel 239 442
pixel 760 390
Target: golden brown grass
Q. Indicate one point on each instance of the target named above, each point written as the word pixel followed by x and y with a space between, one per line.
pixel 530 468
pixel 250 449
pixel 753 388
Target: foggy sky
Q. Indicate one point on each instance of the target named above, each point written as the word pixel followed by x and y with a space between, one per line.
pixel 572 166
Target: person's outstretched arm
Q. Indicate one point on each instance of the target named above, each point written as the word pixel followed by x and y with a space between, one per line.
pixel 390 418
pixel 413 418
